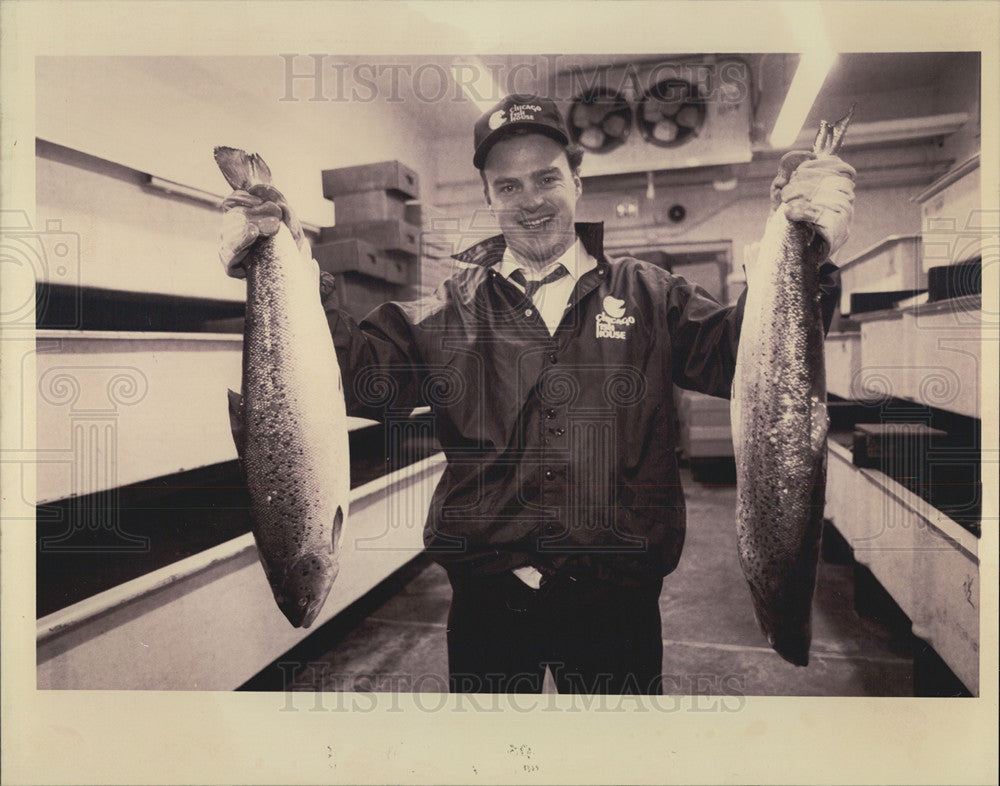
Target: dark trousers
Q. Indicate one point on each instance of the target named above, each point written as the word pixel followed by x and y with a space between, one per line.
pixel 596 637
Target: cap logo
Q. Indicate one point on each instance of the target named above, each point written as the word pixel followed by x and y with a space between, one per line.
pixel 523 112
pixel 496 120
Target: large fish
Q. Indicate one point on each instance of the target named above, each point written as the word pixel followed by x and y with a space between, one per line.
pixel 780 421
pixel 290 424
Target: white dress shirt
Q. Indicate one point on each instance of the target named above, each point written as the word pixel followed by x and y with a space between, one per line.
pixel 551 299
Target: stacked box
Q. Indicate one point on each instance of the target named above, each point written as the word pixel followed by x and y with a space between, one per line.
pixel 376 205
pixel 705 429
pixel 373 249
pixel 383 176
pixel 388 235
pixel 361 258
pixel 358 294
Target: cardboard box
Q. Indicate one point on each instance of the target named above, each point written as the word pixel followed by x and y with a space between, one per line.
pixel 357 256
pixel 376 206
pixel 358 294
pixel 388 235
pixel 381 176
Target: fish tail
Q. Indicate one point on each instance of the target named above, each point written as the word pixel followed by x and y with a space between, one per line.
pixel 831 135
pixel 242 170
pixel 248 172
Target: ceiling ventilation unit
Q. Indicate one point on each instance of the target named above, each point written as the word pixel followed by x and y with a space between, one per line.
pixel 653 116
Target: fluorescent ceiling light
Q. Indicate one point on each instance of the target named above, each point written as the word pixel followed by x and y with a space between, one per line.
pixel 477 82
pixel 814 65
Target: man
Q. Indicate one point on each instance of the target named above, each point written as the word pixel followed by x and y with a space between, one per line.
pixel 550 370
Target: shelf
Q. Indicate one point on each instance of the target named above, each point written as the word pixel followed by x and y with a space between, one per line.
pixel 891 264
pixel 928 353
pixel 954 224
pixel 843 364
pixel 209 622
pixel 926 561
pixel 118 407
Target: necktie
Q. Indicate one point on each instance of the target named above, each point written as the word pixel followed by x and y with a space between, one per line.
pixel 531 287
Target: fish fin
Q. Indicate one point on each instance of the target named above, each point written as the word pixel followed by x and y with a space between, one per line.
pixel 237 420
pixel 242 170
pixel 338 529
pixel 831 135
pixel 839 129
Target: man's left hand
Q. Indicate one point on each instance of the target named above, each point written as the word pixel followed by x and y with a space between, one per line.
pixel 820 191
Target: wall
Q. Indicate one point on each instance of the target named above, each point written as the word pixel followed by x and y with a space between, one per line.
pixel 163 116
pixel 740 215
pixel 130 238
pixel 736 216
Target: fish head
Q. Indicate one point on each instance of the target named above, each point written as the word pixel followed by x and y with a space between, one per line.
pixel 304 587
pixel 789 634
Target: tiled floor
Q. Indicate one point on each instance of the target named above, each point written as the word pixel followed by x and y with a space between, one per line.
pixel 711 641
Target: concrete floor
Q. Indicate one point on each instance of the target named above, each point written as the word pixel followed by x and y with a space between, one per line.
pixel 711 641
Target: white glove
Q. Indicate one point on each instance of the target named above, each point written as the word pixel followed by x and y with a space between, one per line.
pixel 820 191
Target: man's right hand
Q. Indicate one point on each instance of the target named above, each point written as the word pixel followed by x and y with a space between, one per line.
pixel 247 217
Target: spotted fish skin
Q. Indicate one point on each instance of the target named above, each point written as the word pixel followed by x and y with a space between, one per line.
pixel 780 421
pixel 290 423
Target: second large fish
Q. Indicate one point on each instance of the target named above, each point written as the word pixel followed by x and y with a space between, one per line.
pixel 779 419
pixel 290 423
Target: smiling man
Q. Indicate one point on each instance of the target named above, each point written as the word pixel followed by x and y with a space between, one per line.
pixel 531 181
pixel 550 369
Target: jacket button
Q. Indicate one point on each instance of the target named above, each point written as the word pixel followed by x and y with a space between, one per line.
pixel 550 413
pixel 552 358
pixel 549 474
pixel 559 431
pixel 528 312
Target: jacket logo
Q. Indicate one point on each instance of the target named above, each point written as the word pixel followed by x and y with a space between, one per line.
pixel 611 323
pixel 614 307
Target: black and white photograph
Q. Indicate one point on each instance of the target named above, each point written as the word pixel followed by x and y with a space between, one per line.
pixel 412 402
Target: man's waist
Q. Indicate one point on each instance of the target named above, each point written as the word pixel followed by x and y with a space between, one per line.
pixel 531 570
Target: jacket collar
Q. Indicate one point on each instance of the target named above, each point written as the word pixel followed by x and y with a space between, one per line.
pixel 489 252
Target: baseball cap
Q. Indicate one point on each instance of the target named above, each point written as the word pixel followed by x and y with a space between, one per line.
pixel 519 110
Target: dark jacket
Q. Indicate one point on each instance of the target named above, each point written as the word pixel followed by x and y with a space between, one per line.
pixel 561 449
